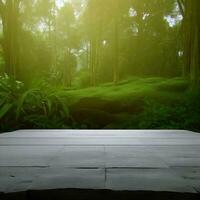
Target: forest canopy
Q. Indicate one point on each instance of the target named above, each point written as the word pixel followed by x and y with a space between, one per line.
pixel 76 45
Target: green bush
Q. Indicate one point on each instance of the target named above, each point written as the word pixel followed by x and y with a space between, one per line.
pixel 40 106
pixel 176 85
pixel 182 114
pixel 159 116
pixel 10 91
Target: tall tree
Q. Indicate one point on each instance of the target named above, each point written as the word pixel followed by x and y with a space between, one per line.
pixel 116 42
pixel 9 11
pixel 191 35
pixel 68 41
pixel 92 20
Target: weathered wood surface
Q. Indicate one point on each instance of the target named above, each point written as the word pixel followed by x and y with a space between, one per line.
pixel 118 160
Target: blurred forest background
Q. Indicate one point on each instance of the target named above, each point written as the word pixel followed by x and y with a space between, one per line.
pixel 124 64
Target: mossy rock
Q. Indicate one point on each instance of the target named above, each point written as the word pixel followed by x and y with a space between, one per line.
pixel 173 86
pixel 112 107
pixel 92 118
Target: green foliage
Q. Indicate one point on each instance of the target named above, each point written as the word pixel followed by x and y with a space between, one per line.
pixel 43 106
pixel 182 115
pixel 158 116
pixel 178 85
pixel 9 89
pixel 40 106
pixel 137 103
pixel 9 93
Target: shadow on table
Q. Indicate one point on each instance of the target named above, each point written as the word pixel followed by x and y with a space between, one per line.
pixel 81 194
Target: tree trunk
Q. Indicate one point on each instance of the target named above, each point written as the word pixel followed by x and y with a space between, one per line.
pixel 93 57
pixel 191 28
pixel 10 20
pixel 116 45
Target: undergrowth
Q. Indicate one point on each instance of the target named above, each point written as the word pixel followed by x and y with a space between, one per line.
pixel 136 104
pixel 40 106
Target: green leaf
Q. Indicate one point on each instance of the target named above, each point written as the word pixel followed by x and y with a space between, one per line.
pixel 65 110
pixel 49 105
pixel 22 99
pixel 5 109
